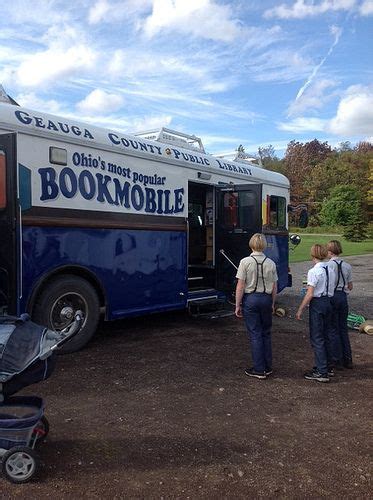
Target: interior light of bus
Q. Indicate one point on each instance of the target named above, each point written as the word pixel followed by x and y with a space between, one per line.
pixel 2 180
pixel 58 156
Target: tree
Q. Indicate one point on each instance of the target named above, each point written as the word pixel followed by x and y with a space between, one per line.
pixel 299 160
pixel 269 159
pixel 267 153
pixel 340 168
pixel 344 146
pixel 356 230
pixel 364 147
pixel 342 207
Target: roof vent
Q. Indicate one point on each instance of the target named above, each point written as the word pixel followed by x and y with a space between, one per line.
pixel 240 156
pixel 172 137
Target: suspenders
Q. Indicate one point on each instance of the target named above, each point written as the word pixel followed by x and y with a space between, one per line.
pixel 259 265
pixel 340 274
pixel 325 293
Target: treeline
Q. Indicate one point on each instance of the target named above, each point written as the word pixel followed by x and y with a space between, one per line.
pixel 336 184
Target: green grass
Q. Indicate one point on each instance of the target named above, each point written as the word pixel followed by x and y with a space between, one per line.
pixel 317 229
pixel 302 251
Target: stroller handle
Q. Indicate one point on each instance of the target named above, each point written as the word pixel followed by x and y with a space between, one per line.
pixel 70 331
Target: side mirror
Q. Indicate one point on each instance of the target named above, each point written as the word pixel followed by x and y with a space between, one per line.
pixel 295 239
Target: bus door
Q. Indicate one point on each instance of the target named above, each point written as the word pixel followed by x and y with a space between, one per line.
pixel 9 226
pixel 238 217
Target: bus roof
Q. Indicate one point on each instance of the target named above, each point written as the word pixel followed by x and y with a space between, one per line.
pixel 18 119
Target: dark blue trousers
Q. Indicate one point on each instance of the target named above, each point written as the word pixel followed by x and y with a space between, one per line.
pixel 341 347
pixel 257 311
pixel 320 324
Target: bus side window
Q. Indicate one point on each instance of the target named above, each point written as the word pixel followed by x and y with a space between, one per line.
pixel 277 212
pixel 230 213
pixel 248 201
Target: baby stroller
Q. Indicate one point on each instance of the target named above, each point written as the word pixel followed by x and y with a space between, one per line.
pixel 27 356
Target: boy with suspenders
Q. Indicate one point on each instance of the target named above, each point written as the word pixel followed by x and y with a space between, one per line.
pixel 255 297
pixel 341 347
pixel 320 289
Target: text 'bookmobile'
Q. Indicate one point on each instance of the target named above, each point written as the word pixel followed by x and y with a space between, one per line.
pixel 105 222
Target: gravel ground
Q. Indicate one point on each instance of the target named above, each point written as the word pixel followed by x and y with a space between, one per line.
pixel 159 407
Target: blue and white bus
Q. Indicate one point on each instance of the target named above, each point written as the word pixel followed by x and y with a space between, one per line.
pixel 119 225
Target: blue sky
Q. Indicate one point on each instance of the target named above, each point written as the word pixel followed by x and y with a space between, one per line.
pixel 231 72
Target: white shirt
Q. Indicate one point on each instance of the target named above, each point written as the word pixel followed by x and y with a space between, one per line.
pixel 316 277
pixel 248 272
pixel 346 271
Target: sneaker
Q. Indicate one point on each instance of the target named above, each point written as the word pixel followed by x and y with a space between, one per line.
pixel 316 375
pixel 250 372
pixel 268 372
pixel 331 372
pixel 348 364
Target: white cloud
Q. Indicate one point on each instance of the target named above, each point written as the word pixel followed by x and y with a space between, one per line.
pixel 278 65
pixel 64 56
pixel 204 72
pixel 98 11
pixel 32 101
pixel 301 9
pixel 199 18
pixel 313 98
pixel 103 11
pixel 99 101
pixel 355 113
pixel 354 117
pixel 127 124
pixel 54 64
pixel 150 123
pixel 337 32
pixel 366 8
pixel 40 13
pixel 304 124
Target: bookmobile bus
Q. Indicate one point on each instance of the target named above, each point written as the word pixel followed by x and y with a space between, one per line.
pixel 120 225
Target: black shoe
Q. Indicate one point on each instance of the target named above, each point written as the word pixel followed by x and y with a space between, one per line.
pixel 347 363
pixel 250 372
pixel 316 375
pixel 268 372
pixel 331 372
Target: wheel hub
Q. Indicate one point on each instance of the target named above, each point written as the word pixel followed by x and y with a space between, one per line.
pixel 67 312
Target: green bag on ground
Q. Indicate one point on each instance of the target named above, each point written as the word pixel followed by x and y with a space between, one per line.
pixel 354 321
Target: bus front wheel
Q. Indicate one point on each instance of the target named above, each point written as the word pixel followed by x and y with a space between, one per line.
pixel 58 303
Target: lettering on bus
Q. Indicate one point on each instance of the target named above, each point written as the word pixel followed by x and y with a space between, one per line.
pixel 112 191
pixel 153 149
pixel 56 126
pixel 234 168
pixel 87 160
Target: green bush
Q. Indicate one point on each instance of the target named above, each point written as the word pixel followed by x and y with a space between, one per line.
pixel 343 207
pixel 356 230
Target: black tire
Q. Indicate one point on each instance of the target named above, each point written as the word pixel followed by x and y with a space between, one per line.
pixel 59 301
pixel 20 464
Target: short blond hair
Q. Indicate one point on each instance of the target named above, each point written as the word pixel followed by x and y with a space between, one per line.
pixel 335 247
pixel 258 242
pixel 319 252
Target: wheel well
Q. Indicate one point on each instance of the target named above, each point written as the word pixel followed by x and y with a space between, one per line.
pixel 76 271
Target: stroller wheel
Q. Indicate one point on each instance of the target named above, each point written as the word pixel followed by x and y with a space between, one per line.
pixel 20 464
pixel 41 430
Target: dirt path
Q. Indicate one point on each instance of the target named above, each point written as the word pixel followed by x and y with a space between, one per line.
pixel 159 407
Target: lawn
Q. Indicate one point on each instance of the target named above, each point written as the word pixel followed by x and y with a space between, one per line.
pixel 302 251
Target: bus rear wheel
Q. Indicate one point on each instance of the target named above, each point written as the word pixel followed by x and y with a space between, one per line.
pixel 58 302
